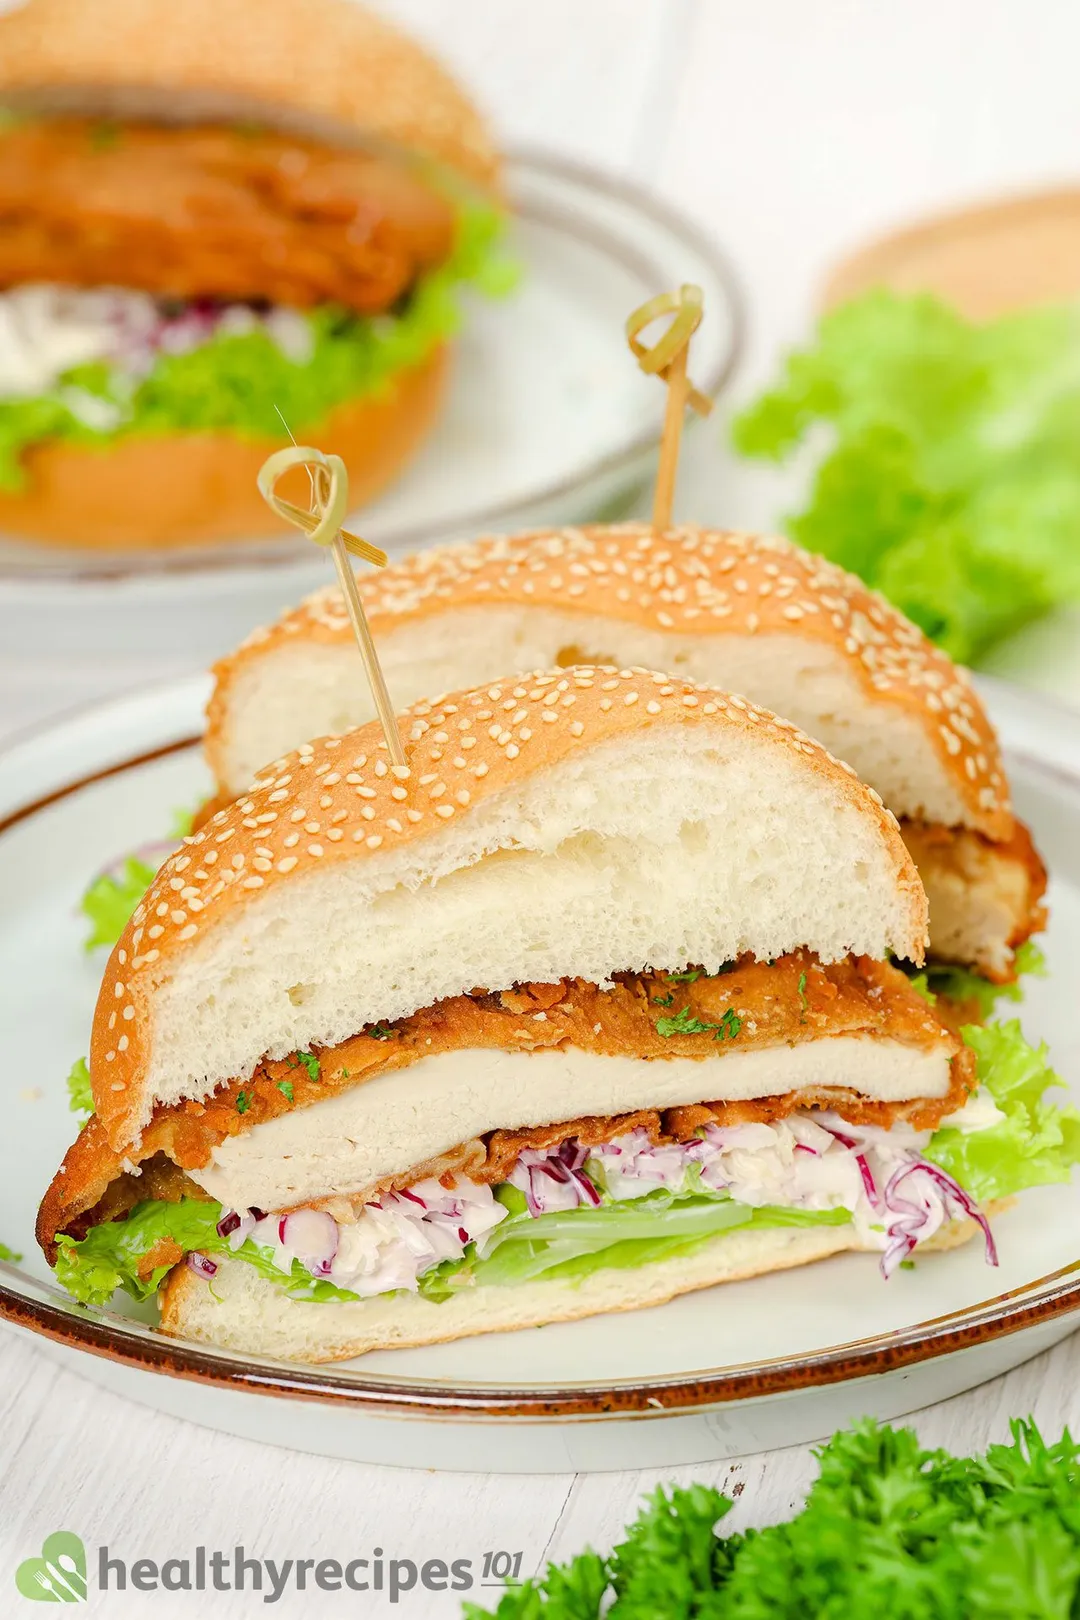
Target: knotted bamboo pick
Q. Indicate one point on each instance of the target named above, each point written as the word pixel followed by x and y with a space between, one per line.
pixel 667 359
pixel 330 501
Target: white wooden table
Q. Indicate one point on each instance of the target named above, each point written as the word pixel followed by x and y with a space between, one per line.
pixel 792 131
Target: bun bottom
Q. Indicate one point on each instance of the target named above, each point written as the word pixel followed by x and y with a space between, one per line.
pixel 150 492
pixel 242 1311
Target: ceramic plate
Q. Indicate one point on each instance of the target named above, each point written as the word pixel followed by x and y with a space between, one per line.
pixel 743 1367
pixel 548 420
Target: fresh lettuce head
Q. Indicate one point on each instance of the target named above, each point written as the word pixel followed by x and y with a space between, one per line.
pixel 1035 1144
pixel 952 478
pixel 243 383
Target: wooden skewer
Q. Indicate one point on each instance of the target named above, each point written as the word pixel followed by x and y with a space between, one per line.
pixel 667 358
pixel 678 389
pixel 330 498
pixel 366 642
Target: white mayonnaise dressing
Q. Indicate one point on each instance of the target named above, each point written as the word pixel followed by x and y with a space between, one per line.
pixel 46 330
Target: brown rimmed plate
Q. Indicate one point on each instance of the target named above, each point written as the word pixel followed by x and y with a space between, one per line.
pixel 774 1361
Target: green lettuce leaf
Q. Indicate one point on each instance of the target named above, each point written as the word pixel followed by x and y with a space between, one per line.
pixel 12 1256
pixel 109 901
pixel 80 1095
pixel 241 382
pixel 107 1258
pixel 571 1244
pixel 1035 1144
pixel 652 1228
pixel 960 984
pixel 952 481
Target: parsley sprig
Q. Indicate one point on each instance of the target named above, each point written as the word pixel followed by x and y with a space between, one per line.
pixel 307 1060
pixel 685 1023
pixel 888 1530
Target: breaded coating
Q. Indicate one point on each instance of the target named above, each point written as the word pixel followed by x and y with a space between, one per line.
pixel 985 898
pixel 751 1005
pixel 214 213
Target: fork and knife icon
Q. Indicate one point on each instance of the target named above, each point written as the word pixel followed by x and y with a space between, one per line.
pixel 58 1574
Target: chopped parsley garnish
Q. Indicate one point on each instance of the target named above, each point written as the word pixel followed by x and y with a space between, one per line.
pixel 104 135
pixel 683 978
pixel 381 1032
pixel 243 1101
pixel 684 1023
pixel 311 1064
pixel 664 1001
pixel 286 1089
pixel 802 997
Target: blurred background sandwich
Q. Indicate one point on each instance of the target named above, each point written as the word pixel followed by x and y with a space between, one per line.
pixel 221 222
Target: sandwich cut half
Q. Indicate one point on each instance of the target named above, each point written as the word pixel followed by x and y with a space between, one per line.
pixel 750 614
pixel 587 1005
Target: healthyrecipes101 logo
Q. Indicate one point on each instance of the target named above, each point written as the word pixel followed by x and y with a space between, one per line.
pixel 58 1573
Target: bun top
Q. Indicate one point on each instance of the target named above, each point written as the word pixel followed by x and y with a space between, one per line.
pixel 320 65
pixel 343 889
pixel 694 582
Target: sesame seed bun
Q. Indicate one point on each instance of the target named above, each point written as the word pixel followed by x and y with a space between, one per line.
pixel 563 824
pixel 324 66
pixel 190 489
pixel 747 613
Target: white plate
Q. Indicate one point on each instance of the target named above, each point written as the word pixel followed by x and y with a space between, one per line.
pixel 548 420
pixel 743 1367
